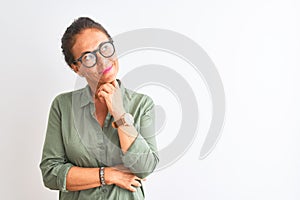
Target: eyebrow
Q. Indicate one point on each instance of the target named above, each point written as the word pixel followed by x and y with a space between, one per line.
pixel 85 53
pixel 95 49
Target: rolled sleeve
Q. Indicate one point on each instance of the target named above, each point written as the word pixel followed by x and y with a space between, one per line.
pixel 62 177
pixel 139 158
pixel 55 178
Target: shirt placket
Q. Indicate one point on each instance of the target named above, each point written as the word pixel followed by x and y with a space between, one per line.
pixel 101 147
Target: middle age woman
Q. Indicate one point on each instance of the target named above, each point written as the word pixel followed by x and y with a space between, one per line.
pixel 100 141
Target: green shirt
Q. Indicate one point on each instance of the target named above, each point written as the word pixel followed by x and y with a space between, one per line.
pixel 75 138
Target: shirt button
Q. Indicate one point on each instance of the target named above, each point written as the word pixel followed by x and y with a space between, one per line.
pixel 104 190
pixel 102 147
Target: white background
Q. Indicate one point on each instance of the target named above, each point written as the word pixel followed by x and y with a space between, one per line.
pixel 255 47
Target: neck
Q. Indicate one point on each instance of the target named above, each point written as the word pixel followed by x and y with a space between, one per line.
pixel 94 87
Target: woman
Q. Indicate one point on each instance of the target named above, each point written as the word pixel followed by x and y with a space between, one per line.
pixel 100 140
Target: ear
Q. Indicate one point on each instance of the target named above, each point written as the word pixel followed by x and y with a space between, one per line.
pixel 76 70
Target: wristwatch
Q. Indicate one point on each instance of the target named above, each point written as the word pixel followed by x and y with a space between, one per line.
pixel 126 120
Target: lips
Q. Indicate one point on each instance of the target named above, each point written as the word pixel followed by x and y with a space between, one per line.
pixel 106 70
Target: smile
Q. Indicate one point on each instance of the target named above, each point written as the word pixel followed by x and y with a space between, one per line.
pixel 106 70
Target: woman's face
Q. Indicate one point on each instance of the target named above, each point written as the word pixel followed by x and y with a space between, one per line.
pixel 106 69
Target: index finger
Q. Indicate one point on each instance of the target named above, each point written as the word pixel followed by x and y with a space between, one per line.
pixel 137 178
pixel 115 84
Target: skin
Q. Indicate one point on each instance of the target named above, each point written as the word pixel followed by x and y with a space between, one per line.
pixel 107 98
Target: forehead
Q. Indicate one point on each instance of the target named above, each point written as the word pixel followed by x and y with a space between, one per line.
pixel 88 40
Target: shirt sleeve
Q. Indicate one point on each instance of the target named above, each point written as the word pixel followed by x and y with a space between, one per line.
pixel 54 164
pixel 142 157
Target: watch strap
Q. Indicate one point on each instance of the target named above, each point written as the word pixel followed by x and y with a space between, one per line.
pixel 118 123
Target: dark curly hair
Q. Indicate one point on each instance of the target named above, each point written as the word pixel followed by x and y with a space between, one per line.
pixel 68 39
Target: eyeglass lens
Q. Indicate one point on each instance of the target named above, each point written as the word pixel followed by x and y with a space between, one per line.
pixel 106 50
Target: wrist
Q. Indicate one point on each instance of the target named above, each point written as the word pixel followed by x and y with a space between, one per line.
pixel 108 175
pixel 126 119
pixel 101 176
pixel 118 115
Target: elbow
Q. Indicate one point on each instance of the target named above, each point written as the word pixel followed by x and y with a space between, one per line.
pixel 142 175
pixel 50 182
pixel 147 169
pixel 54 176
pixel 49 179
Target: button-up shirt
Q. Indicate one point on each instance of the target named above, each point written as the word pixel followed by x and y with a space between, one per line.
pixel 75 138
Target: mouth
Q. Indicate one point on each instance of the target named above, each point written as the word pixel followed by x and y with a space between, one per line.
pixel 106 70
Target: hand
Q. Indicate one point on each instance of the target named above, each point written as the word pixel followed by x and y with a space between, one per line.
pixel 112 95
pixel 122 177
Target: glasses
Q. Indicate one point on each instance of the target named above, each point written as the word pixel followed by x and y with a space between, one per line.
pixel 89 59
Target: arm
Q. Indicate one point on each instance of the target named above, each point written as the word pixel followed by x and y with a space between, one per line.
pixel 139 148
pixel 141 156
pixel 59 174
pixel 127 135
pixel 80 178
pixel 54 164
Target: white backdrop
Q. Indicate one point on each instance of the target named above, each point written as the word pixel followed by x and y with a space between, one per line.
pixel 255 46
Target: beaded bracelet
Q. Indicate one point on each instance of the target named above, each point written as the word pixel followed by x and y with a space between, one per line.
pixel 101 176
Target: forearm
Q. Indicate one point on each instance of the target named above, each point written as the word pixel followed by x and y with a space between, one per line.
pixel 127 135
pixel 137 154
pixel 86 178
pixel 79 178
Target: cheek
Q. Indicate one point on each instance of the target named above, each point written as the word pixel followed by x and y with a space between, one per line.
pixel 81 71
pixel 116 64
pixel 89 72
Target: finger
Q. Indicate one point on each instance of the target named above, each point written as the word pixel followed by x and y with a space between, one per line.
pixel 136 184
pixel 137 178
pixel 103 94
pixel 109 88
pixel 105 85
pixel 115 84
pixel 102 100
pixel 132 189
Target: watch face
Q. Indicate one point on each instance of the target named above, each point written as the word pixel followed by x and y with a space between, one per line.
pixel 128 119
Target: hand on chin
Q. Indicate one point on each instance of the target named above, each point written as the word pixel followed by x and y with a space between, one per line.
pixel 106 80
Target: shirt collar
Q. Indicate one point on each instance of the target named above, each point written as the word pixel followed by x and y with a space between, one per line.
pixel 121 87
pixel 86 96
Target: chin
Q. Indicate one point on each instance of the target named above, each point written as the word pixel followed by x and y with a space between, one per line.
pixel 107 80
pixel 110 77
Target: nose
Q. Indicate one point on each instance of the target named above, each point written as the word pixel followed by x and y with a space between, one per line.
pixel 101 62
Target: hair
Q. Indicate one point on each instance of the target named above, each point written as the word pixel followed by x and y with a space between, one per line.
pixel 68 39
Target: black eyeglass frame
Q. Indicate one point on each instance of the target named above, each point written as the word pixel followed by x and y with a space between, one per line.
pixel 95 53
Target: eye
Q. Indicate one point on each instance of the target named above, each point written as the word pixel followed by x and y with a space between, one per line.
pixel 107 49
pixel 89 59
